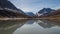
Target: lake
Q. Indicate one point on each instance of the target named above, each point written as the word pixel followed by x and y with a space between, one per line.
pixel 29 27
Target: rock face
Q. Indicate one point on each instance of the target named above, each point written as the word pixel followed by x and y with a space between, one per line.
pixel 7 9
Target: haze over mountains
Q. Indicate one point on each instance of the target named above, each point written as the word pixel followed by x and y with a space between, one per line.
pixel 7 9
pixel 30 14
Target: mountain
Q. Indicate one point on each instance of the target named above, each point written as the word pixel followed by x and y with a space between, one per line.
pixel 54 15
pixel 30 14
pixel 11 14
pixel 8 5
pixel 45 11
pixel 7 9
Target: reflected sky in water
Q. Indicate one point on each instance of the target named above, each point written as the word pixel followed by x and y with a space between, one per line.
pixel 30 27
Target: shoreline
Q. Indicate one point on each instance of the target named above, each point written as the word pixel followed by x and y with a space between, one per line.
pixel 29 18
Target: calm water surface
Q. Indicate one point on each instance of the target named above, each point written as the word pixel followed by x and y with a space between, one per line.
pixel 29 27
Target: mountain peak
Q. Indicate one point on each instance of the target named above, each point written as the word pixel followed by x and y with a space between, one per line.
pixel 46 10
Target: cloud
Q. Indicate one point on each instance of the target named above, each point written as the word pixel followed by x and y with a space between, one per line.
pixel 35 5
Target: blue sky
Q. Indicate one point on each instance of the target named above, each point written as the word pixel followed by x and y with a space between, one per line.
pixel 35 5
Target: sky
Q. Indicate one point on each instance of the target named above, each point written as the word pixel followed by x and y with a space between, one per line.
pixel 35 5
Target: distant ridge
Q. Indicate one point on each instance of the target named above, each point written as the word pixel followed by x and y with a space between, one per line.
pixel 30 14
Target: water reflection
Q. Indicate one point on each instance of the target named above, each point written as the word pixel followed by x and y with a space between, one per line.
pixel 29 27
pixel 45 24
pixel 8 27
pixel 49 23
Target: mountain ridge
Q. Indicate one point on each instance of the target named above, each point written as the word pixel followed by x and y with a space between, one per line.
pixel 7 9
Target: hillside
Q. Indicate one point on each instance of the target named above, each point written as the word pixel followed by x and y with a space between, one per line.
pixel 11 14
pixel 7 9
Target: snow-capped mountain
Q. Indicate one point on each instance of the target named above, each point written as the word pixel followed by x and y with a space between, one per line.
pixel 45 11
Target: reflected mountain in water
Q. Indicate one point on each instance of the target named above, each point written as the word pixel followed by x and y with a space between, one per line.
pixel 52 22
pixel 10 26
pixel 48 23
pixel 45 24
pixel 30 21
